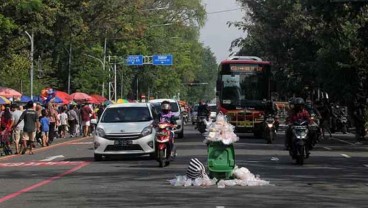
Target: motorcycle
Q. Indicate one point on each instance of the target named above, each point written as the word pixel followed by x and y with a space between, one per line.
pixel 185 117
pixel 340 120
pixel 269 132
pixel 315 132
pixel 201 123
pixel 165 151
pixel 299 143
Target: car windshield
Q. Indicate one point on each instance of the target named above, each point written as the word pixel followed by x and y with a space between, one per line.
pixel 126 114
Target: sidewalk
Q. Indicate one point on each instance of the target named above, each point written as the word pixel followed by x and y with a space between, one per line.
pixel 39 146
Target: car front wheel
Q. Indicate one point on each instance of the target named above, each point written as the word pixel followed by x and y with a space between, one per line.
pixel 98 157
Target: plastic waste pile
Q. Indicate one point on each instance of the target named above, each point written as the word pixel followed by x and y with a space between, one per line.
pixel 242 177
pixel 220 130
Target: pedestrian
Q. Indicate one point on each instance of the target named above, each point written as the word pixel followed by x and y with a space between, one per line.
pixel 6 129
pixel 18 131
pixel 30 125
pixel 63 123
pixel 100 111
pixel 44 128
pixel 72 120
pixel 53 117
pixel 86 114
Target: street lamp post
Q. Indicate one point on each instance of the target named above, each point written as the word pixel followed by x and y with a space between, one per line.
pixel 103 68
pixel 69 67
pixel 31 59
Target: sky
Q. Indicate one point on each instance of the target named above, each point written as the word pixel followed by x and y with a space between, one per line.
pixel 216 34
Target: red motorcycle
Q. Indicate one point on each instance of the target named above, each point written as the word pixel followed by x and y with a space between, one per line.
pixel 165 151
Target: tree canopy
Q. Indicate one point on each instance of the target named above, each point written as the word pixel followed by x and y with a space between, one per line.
pixel 68 34
pixel 312 44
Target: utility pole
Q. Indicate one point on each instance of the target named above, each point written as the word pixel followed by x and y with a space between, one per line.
pixel 31 59
pixel 103 66
pixel 69 67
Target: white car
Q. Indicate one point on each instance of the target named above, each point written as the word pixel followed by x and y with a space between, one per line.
pixel 125 129
pixel 175 108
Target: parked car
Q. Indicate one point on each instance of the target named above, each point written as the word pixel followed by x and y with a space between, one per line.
pixel 194 114
pixel 125 129
pixel 175 108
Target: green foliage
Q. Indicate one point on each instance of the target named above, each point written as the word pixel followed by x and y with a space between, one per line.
pixel 65 30
pixel 312 44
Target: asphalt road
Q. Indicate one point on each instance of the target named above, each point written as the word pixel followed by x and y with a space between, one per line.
pixel 65 175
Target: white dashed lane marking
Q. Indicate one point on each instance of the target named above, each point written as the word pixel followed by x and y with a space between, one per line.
pixel 327 148
pixel 345 155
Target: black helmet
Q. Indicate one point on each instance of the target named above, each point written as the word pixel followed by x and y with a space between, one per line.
pixel 165 106
pixel 299 101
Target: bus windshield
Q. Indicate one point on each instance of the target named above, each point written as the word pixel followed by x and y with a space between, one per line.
pixel 243 85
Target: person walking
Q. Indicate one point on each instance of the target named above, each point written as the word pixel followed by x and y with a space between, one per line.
pixel 53 117
pixel 86 114
pixel 44 128
pixel 30 125
pixel 72 120
pixel 6 129
pixel 63 123
pixel 18 131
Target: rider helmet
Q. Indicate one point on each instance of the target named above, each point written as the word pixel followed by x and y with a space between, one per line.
pixel 298 103
pixel 165 106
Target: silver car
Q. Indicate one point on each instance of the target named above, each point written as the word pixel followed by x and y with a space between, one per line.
pixel 125 129
pixel 175 108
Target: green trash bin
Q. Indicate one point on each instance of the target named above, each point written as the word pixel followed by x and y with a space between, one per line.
pixel 221 160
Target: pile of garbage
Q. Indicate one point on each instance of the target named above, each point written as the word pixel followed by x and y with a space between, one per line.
pixel 220 130
pixel 241 177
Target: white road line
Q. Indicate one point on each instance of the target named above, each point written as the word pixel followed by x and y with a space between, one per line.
pixel 220 206
pixel 345 155
pixel 343 141
pixel 327 148
pixel 366 166
pixel 52 158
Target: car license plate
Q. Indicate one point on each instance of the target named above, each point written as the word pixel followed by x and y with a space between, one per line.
pixel 123 142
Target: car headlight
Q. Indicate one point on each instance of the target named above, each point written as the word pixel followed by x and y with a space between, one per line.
pixel 100 132
pixel 147 131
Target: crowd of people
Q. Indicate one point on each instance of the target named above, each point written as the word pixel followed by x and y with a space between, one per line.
pixel 24 126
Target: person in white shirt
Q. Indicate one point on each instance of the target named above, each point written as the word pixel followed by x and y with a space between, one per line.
pixel 18 131
pixel 63 123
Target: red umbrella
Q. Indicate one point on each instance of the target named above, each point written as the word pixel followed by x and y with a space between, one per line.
pixel 94 101
pixel 63 95
pixel 80 97
pixel 99 98
pixel 9 93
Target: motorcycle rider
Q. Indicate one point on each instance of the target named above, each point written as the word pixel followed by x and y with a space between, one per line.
pixel 203 110
pixel 297 113
pixel 272 109
pixel 167 116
